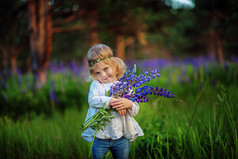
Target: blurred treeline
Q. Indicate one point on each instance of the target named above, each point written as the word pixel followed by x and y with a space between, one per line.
pixel 33 32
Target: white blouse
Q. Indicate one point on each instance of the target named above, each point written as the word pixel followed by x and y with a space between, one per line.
pixel 120 125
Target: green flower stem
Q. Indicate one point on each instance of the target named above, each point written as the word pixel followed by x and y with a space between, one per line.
pixel 93 120
pixel 91 147
pixel 90 120
pixel 97 121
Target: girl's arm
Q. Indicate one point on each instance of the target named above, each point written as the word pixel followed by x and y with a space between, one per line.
pixel 95 99
pixel 124 103
pixel 122 112
pixel 135 109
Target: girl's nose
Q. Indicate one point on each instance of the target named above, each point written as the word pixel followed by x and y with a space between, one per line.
pixel 103 74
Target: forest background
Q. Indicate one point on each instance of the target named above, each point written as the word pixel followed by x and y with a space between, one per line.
pixel 40 31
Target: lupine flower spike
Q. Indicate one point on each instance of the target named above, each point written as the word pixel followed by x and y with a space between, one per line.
pixel 130 80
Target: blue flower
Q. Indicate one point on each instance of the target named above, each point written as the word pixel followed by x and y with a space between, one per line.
pixel 130 79
pixel 156 70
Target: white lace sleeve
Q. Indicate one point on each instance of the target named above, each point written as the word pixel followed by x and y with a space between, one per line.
pixel 135 109
pixel 96 97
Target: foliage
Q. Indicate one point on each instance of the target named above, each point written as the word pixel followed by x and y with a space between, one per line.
pixel 59 93
pixel 66 87
pixel 171 32
pixel 165 122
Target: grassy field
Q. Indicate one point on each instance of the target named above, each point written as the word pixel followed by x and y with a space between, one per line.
pixel 201 122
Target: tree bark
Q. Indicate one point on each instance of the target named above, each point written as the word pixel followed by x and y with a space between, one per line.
pixel 212 45
pixel 71 29
pixel 120 46
pixel 3 55
pixel 220 49
pixel 13 60
pixel 42 32
pixel 33 39
pixel 47 40
pixel 49 36
pixel 93 32
pixel 40 26
pixel 216 48
pixel 141 37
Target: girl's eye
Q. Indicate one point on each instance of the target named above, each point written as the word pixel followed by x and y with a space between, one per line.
pixel 97 73
pixel 105 68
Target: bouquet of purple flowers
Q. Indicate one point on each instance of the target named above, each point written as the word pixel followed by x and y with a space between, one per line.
pixel 130 87
pixel 130 80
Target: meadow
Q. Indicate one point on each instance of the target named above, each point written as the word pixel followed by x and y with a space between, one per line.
pixel 200 122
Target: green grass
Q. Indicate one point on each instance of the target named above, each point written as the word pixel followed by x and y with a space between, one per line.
pixel 193 125
pixel 165 122
pixel 43 137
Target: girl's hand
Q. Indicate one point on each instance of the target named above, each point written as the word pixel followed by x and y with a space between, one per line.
pixel 121 103
pixel 122 112
pixel 111 101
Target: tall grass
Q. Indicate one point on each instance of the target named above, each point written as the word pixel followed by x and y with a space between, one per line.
pixel 198 123
pixel 212 134
pixel 44 137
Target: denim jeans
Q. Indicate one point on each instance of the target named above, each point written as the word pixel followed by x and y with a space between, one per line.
pixel 119 148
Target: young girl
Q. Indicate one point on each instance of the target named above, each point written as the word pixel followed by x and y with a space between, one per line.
pixel 106 70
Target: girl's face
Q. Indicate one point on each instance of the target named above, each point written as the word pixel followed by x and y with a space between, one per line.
pixel 104 73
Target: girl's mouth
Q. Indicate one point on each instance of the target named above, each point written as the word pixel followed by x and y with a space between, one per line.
pixel 106 78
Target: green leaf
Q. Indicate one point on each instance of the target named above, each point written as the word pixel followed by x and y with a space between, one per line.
pixel 110 117
pixel 107 120
pixel 107 93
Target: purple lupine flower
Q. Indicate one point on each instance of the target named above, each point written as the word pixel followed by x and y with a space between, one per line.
pixel 20 81
pixel 10 73
pixel 24 91
pixel 52 91
pixel 226 65
pixel 5 96
pixel 234 59
pixel 3 84
pixel 28 82
pixel 129 80
pixel 61 65
pixel 156 70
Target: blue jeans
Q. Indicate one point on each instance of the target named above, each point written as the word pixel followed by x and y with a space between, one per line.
pixel 119 148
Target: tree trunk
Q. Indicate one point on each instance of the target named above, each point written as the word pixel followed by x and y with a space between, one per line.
pixel 93 32
pixel 13 60
pixel 120 46
pixel 40 25
pixel 47 42
pixel 33 39
pixel 3 57
pixel 49 36
pixel 141 37
pixel 14 52
pixel 41 29
pixel 212 45
pixel 220 49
